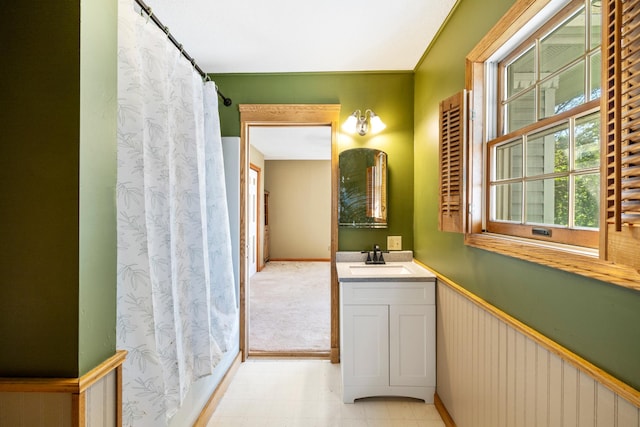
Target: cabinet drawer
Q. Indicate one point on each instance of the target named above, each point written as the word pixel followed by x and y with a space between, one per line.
pixel 387 292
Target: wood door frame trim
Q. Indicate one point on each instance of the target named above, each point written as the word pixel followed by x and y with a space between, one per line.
pixel 289 115
pixel 259 251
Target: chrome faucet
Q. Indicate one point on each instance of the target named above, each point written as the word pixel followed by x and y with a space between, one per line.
pixel 374 256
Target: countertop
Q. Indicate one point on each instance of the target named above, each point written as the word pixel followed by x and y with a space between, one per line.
pixel 417 273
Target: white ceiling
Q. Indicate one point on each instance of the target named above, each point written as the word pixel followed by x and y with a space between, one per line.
pixel 260 36
pixel 265 36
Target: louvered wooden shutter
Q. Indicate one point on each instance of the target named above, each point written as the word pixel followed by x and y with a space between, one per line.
pixel 452 132
pixel 621 145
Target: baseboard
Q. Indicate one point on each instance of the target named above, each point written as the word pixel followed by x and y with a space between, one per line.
pixel 218 393
pixel 335 355
pixel 290 354
pixel 302 259
pixel 442 410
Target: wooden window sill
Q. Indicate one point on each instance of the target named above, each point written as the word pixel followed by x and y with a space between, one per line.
pixel 585 263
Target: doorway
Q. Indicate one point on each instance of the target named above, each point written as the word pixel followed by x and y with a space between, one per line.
pixel 287 115
pixel 253 220
pixel 289 297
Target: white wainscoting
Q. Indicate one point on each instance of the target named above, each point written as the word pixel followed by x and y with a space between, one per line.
pixel 93 400
pixel 35 409
pixel 101 401
pixel 494 371
pixel 52 409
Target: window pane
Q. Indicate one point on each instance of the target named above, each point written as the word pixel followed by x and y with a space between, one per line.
pixel 596 23
pixel 508 202
pixel 509 160
pixel 521 73
pixel 594 78
pixel 587 134
pixel 587 201
pixel 563 45
pixel 521 111
pixel 548 151
pixel 548 201
pixel 563 91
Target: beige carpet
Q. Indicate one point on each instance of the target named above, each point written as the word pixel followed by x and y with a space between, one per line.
pixel 289 307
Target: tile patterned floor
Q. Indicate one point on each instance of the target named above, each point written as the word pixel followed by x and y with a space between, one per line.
pixel 307 393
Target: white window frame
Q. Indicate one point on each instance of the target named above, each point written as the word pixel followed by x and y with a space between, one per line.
pixel 520 21
pixel 494 125
pixel 614 261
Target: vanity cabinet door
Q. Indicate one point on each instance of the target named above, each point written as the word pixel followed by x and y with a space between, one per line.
pixel 365 353
pixel 412 345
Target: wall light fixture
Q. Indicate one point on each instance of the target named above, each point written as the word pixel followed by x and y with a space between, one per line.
pixel 362 123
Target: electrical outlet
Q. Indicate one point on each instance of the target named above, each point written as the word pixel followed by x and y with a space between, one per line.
pixel 394 243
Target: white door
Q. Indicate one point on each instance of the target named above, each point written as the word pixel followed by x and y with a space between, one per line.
pixel 365 351
pixel 253 222
pixel 412 345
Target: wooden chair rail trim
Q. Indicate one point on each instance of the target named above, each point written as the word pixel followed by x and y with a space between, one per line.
pixel 583 265
pixel 94 375
pixel 63 385
pixel 39 385
pixel 615 385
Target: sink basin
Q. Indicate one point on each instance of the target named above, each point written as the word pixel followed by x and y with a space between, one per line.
pixel 399 267
pixel 378 270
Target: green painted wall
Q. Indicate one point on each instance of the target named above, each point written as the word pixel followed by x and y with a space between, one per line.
pixel 98 106
pixel 40 87
pixel 594 319
pixel 42 217
pixel 390 95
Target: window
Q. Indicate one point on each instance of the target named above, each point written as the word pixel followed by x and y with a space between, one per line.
pixel 543 163
pixel 547 181
pixel 556 70
pixel 553 149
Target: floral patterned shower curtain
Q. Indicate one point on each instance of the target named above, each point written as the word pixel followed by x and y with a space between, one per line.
pixel 177 309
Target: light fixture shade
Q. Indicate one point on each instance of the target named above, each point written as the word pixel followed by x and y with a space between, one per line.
pixel 350 125
pixel 376 124
pixel 362 123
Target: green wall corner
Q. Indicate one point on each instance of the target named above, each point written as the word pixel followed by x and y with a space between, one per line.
pixel 57 169
pixel 97 248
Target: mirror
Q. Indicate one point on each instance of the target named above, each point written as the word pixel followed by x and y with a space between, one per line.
pixel 363 188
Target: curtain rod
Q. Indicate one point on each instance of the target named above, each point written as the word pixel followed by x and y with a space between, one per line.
pixel 146 9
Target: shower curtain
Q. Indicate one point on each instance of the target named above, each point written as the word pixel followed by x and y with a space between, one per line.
pixel 177 311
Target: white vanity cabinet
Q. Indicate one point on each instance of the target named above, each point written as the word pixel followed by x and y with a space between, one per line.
pixel 388 339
